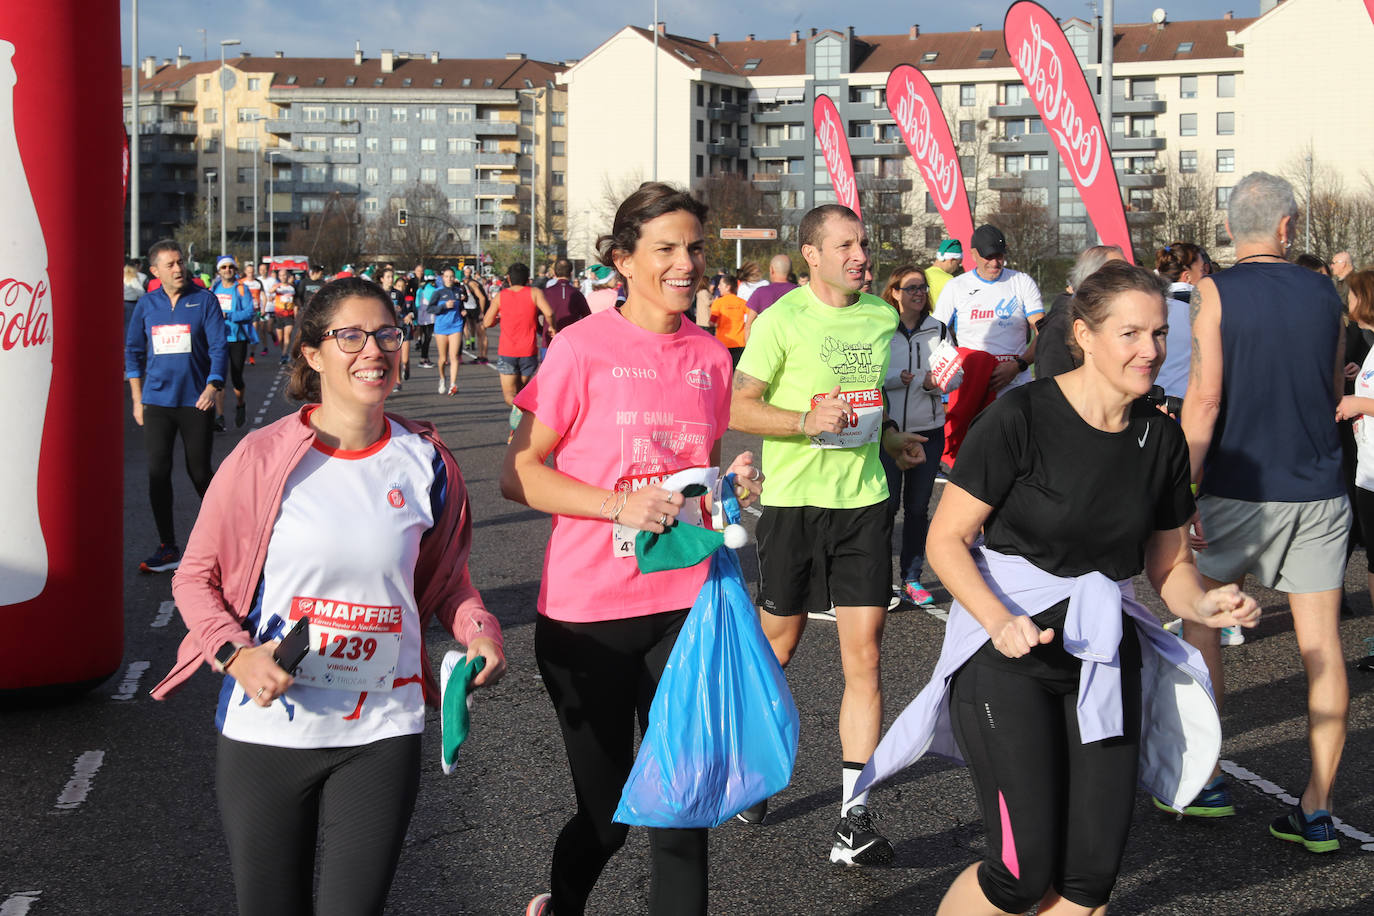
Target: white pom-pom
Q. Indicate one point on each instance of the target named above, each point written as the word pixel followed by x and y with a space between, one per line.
pixel 735 536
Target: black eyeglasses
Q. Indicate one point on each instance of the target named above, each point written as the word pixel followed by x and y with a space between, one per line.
pixel 914 289
pixel 352 340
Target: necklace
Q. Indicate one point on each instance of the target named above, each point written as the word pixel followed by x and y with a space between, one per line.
pixel 1265 255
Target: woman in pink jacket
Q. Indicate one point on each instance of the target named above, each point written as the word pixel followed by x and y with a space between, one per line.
pixel 357 520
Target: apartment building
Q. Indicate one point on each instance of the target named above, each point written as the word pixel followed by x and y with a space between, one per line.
pixel 1195 105
pixel 483 141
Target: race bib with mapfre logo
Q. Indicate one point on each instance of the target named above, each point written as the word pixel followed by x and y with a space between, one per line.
pixel 171 338
pixel 623 536
pixel 356 646
pixel 865 422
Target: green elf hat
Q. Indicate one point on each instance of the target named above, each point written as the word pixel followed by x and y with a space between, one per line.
pixel 455 681
pixel 682 546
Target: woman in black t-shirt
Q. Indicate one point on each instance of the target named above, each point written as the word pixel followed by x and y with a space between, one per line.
pixel 1074 477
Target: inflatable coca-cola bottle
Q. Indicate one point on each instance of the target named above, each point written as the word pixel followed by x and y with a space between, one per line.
pixel 26 349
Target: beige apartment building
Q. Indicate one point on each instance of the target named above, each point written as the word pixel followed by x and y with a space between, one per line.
pixel 1196 104
pixel 476 146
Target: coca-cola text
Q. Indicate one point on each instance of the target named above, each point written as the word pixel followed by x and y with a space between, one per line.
pixel 942 173
pixel 24 321
pixel 830 135
pixel 1043 73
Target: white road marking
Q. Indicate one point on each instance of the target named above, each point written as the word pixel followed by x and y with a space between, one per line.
pixel 164 614
pixel 1268 788
pixel 79 786
pixel 18 903
pixel 936 611
pixel 128 688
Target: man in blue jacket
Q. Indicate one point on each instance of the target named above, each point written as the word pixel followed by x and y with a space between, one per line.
pixel 175 356
pixel 236 303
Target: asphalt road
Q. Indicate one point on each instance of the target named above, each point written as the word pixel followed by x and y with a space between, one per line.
pixel 108 803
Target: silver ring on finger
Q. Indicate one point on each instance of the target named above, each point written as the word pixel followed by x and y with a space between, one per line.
pixel 259 693
pixel 663 520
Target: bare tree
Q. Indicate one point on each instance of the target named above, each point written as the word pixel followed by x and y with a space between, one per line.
pixel 733 200
pixel 1187 208
pixel 334 237
pixel 430 230
pixel 1032 237
pixel 972 133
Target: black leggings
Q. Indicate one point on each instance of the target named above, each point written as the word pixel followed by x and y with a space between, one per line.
pixel 277 802
pixel 1056 810
pixel 238 353
pixel 160 427
pixel 424 334
pixel 599 675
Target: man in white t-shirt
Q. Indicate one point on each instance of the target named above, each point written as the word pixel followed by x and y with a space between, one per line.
pixel 992 312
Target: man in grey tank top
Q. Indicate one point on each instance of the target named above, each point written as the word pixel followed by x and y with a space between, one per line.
pixel 1259 415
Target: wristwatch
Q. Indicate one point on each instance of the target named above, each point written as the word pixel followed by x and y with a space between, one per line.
pixel 217 384
pixel 1021 364
pixel 225 654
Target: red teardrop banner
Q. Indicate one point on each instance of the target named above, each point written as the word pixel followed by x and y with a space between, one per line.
pixel 825 117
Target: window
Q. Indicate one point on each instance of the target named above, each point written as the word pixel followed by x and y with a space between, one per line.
pixel 1141 201
pixel 827 58
pixel 1013 165
pixel 429 145
pixel 370 205
pixel 1226 123
pixel 888 133
pixel 934 234
pixel 1038 162
pixel 1187 125
pixel 1223 198
pixel 399 144
pixel 966 165
pixel 929 57
pixel 314 174
pixel 460 205
pixel 290 80
pixel 987 53
pixel 1035 126
pixel 1070 204
pixel 429 175
pixel 245 115
pixel 429 114
pixel 558 118
pixel 345 144
pixel 861 129
pixel 319 81
pixel 558 208
pixel 245 173
pixel 1226 160
pixel 405 83
pixel 1040 197
pixel 459 176
pixel 1184 47
pixel 559 148
pixel 968 95
pixel 458 145
pixel 379 81
pixel 212 116
pixel 1010 129
pixel 245 205
pixel 1143 89
pixel 930 204
pixel 526 147
pixel 1143 126
pixel 1187 87
pixel 312 204
pixel 1119 124
pixel 350 80
pixel 966 131
pixel 1014 93
pixel 467 81
pixel 863 95
pixel 370 144
pixel 701 164
pixel 313 144
pixel 345 113
pixel 753 63
pixel 701 131
pixel 791 200
pixel 557 179
pixel 254 84
pixel 526 117
pixel 211 145
pixel 398 114
pixel 1187 198
pixel 399 174
pixel 1226 85
pixel 371 113
pixel 1187 160
pixel 370 175
pixel 205 84
pixel 701 96
pixel 491 146
pixel 248 144
pixel 348 173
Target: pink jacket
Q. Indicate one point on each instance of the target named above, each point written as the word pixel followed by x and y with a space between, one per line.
pixel 220 569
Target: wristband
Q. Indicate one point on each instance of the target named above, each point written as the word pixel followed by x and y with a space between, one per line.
pixel 1021 364
pixel 892 425
pixel 801 424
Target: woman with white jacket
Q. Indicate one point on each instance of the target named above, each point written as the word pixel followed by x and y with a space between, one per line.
pixel 916 404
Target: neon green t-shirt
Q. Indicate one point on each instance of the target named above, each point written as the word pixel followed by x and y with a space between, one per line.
pixel 802 348
pixel 936 280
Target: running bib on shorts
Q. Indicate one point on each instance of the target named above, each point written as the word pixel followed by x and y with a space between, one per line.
pixel 865 423
pixel 623 536
pixel 356 646
pixel 171 338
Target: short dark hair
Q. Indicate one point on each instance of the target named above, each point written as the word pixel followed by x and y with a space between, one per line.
pixel 652 200
pixel 1172 260
pixel 731 281
pixel 162 245
pixel 313 321
pixel 1093 299
pixel 519 273
pixel 562 268
pixel 813 223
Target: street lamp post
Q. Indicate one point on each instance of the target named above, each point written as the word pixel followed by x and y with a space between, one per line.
pixel 256 132
pixel 534 183
pixel 271 206
pixel 223 142
pixel 209 203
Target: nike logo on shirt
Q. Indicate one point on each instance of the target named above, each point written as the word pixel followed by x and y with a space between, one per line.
pixel 1141 440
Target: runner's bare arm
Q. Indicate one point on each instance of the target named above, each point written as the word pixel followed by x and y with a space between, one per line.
pixel 489 319
pixel 1029 353
pixel 749 413
pixel 1202 403
pixel 1171 570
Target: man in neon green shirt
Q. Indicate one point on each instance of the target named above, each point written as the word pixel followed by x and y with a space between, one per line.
pixel 947 258
pixel 810 382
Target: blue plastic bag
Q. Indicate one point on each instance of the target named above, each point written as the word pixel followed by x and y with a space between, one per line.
pixel 723 729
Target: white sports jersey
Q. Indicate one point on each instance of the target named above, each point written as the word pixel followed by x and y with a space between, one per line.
pixel 991 316
pixel 343 552
pixel 1364 428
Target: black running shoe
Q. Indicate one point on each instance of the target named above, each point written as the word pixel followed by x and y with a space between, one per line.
pixel 219 423
pixel 240 414
pixel 857 843
pixel 754 814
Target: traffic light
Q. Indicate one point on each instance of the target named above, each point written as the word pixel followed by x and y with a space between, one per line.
pixel 402 217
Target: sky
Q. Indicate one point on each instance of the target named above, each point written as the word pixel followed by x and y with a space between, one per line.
pixel 555 31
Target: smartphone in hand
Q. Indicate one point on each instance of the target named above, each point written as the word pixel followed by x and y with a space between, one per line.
pixel 291 651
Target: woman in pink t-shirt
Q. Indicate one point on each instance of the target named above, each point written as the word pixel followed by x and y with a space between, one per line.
pixel 624 398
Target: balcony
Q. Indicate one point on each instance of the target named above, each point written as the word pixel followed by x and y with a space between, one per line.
pixel 889 218
pixel 766 177
pixel 1137 141
pixel 495 128
pixel 1145 104
pixel 176 128
pixel 173 156
pixel 288 126
pixel 503 219
pixel 496 160
pixel 791 113
pixel 1143 217
pixel 1024 143
pixel 495 189
pixel 319 157
pixel 725 146
pixel 1022 109
pixel 724 111
pixel 1141 179
pixel 1005 182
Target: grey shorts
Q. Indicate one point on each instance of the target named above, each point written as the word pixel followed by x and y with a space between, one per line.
pixel 1293 547
pixel 523 366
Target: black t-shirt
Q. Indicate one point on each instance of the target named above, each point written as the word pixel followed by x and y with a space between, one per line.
pixel 1068 497
pixel 1052 354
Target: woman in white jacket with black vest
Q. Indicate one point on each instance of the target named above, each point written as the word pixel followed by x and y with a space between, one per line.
pixel 916 404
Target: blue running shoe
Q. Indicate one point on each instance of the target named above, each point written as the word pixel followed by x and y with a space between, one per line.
pixel 1213 801
pixel 1316 832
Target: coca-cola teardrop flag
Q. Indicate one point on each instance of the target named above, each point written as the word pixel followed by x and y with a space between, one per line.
pixel 912 102
pixel 830 134
pixel 1041 55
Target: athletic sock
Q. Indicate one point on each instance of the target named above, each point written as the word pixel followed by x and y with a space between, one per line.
pixel 850 778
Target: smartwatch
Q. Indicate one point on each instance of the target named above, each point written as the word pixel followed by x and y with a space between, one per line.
pixel 217 384
pixel 225 654
pixel 1021 364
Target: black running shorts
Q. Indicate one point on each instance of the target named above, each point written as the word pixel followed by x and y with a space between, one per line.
pixel 810 558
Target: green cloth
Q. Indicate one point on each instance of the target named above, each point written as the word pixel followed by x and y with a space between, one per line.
pixel 679 547
pixel 456 721
pixel 801 347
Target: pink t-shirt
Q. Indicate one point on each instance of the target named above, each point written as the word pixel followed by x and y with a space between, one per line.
pixel 631 407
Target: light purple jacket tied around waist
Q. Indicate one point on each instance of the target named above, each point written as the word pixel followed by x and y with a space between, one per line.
pixel 1180 733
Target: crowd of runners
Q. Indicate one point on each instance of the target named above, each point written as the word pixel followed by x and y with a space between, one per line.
pixel 1128 429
